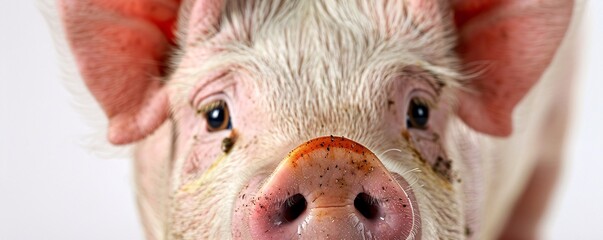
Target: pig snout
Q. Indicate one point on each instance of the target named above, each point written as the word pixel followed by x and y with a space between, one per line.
pixel 330 186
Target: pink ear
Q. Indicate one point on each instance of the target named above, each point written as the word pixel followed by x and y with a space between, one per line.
pixel 517 39
pixel 120 47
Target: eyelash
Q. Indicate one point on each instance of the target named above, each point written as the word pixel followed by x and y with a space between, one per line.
pixel 204 109
pixel 421 100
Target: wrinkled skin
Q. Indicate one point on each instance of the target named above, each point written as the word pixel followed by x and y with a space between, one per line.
pixel 292 73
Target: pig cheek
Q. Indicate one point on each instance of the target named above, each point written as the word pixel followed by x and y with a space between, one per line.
pixel 198 161
pixel 196 149
pixel 200 201
pixel 428 143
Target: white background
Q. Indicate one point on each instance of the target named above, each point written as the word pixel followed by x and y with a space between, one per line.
pixel 52 187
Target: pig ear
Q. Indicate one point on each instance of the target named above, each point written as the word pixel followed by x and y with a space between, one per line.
pixel 517 39
pixel 120 48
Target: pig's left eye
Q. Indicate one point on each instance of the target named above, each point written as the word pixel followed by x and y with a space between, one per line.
pixel 217 116
pixel 418 114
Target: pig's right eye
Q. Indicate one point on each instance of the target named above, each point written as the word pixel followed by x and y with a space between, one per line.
pixel 217 116
pixel 418 114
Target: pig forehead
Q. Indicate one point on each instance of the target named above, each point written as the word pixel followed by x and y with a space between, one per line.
pixel 326 54
pixel 420 26
pixel 391 16
pixel 355 43
pixel 351 41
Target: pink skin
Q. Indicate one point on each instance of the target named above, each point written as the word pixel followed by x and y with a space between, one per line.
pixel 329 173
pixel 249 183
pixel 236 90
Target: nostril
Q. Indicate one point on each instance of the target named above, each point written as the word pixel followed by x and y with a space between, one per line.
pixel 294 206
pixel 367 205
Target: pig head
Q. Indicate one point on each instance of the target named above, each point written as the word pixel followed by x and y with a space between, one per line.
pixel 315 119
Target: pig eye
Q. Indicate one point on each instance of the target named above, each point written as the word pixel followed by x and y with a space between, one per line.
pixel 217 116
pixel 418 114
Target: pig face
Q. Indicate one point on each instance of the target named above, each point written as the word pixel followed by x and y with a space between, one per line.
pixel 304 119
pixel 249 95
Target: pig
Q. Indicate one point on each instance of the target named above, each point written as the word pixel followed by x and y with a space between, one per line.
pixel 408 119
